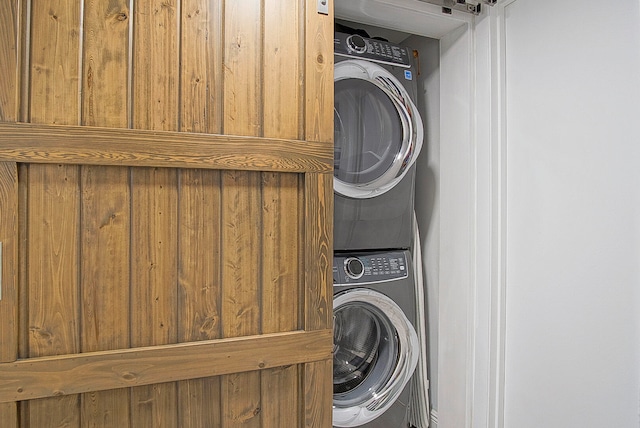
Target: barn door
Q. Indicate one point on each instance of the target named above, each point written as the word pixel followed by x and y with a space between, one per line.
pixel 166 213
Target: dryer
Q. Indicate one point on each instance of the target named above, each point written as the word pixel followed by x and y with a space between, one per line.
pixel 376 348
pixel 378 134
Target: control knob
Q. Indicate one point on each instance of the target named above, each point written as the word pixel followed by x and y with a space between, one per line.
pixel 356 44
pixel 354 268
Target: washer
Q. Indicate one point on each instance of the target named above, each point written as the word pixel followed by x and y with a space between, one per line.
pixel 378 134
pixel 375 349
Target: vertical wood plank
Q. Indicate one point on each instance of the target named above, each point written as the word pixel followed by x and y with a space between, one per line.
pixel 318 391
pixel 280 397
pixel 199 402
pixel 241 263
pixel 318 251
pixel 55 63
pixel 154 284
pixel 105 282
pixel 53 218
pixel 199 264
pixel 282 88
pixel 53 204
pixel 8 277
pixel 154 235
pixel 241 253
pixel 105 63
pixel 281 290
pixel 200 288
pixel 242 67
pixel 241 400
pixel 241 289
pixel 318 75
pixel 155 65
pixel 8 61
pixel 281 241
pixel 9 415
pixel 318 395
pixel 105 204
pixel 201 66
pixel 9 262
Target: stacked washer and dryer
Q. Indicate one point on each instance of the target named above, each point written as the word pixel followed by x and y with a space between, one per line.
pixel 378 136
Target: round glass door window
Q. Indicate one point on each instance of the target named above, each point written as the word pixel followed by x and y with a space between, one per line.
pixel 377 130
pixel 365 353
pixel 375 351
pixel 368 132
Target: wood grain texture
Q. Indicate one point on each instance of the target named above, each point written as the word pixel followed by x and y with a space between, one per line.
pixel 95 371
pixel 241 265
pixel 155 105
pixel 199 401
pixel 53 256
pixel 201 66
pixel 242 222
pixel 104 273
pixel 8 278
pixel 282 87
pixel 230 254
pixel 9 415
pixel 54 76
pixel 105 204
pixel 200 290
pixel 319 76
pixel 241 285
pixel 318 391
pixel 319 251
pixel 53 259
pixel 155 65
pixel 105 63
pixel 104 146
pixel 154 282
pixel 9 261
pixel 200 223
pixel 9 92
pixel 281 409
pixel 318 243
pixel 281 287
pixel 242 68
pixel 199 256
pixel 282 205
pixel 55 59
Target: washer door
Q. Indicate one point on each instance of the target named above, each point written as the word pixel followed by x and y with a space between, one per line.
pixel 375 351
pixel 378 132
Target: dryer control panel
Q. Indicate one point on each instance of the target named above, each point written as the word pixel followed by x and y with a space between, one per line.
pixel 356 46
pixel 367 268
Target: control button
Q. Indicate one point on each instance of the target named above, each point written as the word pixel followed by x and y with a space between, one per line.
pixel 354 268
pixel 356 44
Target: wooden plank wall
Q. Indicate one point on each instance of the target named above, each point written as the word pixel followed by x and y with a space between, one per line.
pixel 116 257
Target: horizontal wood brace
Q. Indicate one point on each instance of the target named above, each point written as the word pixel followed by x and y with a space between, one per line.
pixel 96 371
pixel 31 143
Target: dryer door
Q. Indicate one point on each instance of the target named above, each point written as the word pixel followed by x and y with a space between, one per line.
pixel 375 352
pixel 378 131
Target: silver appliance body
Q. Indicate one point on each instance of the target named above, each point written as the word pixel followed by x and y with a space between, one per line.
pixel 378 134
pixel 375 343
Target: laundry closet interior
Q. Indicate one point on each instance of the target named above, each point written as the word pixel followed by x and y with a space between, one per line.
pixel 444 177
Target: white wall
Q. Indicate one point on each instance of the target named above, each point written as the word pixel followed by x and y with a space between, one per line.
pixel 572 356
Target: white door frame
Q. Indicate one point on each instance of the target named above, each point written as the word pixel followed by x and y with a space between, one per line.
pixel 472 201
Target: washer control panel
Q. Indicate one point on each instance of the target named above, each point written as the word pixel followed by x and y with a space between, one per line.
pixel 354 45
pixel 366 268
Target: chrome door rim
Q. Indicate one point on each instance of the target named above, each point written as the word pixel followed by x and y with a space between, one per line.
pixel 411 123
pixel 376 405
